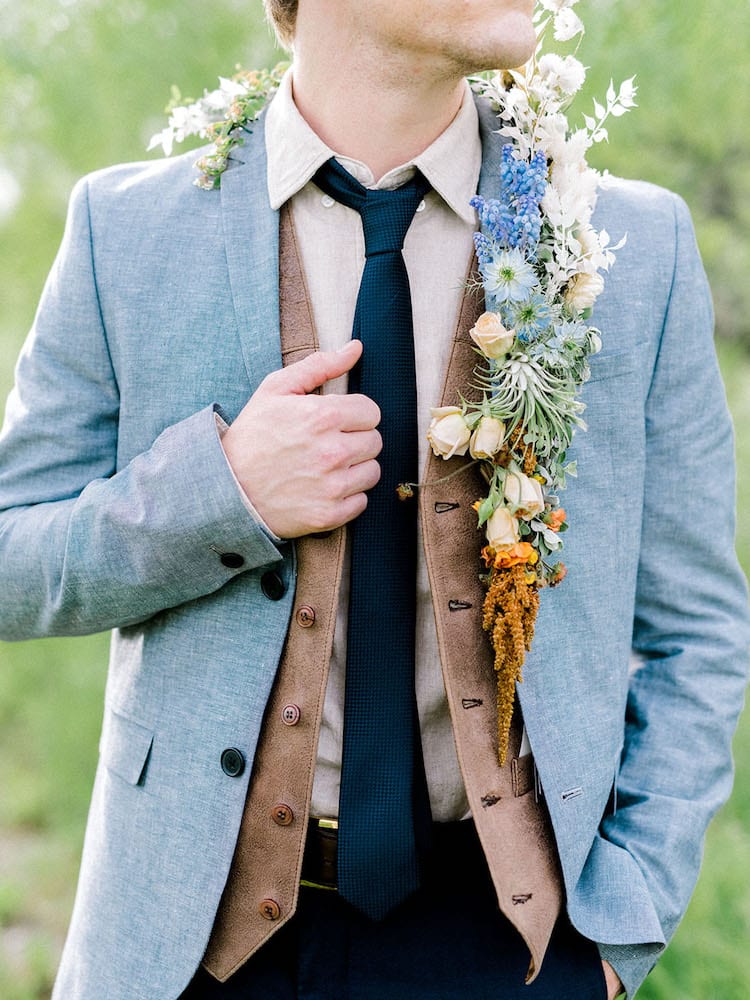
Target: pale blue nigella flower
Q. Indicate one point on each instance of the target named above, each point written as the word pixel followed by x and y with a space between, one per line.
pixel 507 277
pixel 531 317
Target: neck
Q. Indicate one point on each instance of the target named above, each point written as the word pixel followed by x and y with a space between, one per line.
pixel 370 109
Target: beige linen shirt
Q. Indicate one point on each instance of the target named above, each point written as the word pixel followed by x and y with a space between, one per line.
pixel 437 251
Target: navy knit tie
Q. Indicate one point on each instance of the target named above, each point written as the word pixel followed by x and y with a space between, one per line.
pixel 383 799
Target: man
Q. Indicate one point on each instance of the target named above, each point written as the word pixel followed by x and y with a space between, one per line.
pixel 157 464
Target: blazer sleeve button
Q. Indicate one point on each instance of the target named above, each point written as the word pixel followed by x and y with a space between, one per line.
pixel 232 762
pixel 232 560
pixel 272 585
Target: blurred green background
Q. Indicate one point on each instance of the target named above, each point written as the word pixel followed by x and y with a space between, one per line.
pixel 82 85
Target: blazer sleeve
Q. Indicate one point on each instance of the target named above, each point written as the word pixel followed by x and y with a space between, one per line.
pixel 691 619
pixel 84 548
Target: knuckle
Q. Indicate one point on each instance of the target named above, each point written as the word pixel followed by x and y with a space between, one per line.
pixel 332 456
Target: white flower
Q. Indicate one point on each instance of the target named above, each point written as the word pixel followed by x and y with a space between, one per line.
pixel 570 197
pixel 487 439
pixel 448 433
pixel 165 139
pixel 566 74
pixel 583 290
pixel 524 493
pixel 502 529
pixel 567 25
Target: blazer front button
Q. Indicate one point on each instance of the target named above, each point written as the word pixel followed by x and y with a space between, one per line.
pixel 282 815
pixel 269 909
pixel 272 585
pixel 232 762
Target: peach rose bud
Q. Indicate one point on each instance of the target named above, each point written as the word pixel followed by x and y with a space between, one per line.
pixel 487 439
pixel 448 434
pixel 491 337
pixel 524 493
pixel 501 529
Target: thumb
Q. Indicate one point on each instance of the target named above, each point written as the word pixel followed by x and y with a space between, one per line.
pixel 316 369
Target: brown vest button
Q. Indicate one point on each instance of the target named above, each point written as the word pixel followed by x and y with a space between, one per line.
pixel 290 715
pixel 282 815
pixel 306 616
pixel 269 909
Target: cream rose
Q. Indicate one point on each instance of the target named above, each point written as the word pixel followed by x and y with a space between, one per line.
pixel 487 439
pixel 448 433
pixel 501 529
pixel 583 290
pixel 524 493
pixel 491 337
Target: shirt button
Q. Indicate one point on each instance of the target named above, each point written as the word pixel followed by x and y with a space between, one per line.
pixel 306 616
pixel 232 762
pixel 269 909
pixel 272 585
pixel 232 560
pixel 290 715
pixel 326 201
pixel 282 815
pixel 421 206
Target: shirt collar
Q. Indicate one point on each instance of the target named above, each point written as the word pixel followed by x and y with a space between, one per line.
pixel 295 152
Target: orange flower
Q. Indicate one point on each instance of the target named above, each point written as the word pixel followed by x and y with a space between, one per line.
pixel 559 575
pixel 513 555
pixel 556 519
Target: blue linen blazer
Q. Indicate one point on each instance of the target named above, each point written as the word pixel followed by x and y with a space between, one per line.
pixel 116 503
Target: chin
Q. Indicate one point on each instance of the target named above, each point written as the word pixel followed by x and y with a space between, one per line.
pixel 511 43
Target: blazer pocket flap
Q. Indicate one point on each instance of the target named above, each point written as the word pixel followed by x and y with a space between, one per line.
pixel 125 747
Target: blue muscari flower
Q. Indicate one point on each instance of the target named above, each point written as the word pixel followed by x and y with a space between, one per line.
pixel 531 317
pixel 484 247
pixel 514 220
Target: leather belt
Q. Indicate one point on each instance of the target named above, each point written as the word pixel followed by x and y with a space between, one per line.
pixel 319 860
pixel 454 846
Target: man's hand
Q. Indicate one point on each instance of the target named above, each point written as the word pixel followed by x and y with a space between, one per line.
pixel 305 460
pixel 614 986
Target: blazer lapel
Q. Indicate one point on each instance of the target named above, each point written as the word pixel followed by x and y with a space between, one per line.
pixel 251 232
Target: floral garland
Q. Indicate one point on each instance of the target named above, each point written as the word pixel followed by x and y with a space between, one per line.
pixel 221 115
pixel 539 262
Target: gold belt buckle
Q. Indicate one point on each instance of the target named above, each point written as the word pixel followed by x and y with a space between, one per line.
pixel 322 823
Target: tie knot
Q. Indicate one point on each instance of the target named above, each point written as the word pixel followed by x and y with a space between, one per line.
pixel 386 215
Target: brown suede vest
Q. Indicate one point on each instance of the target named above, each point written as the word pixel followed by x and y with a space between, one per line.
pixel 263 884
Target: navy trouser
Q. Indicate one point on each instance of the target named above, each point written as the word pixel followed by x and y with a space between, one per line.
pixel 447 942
